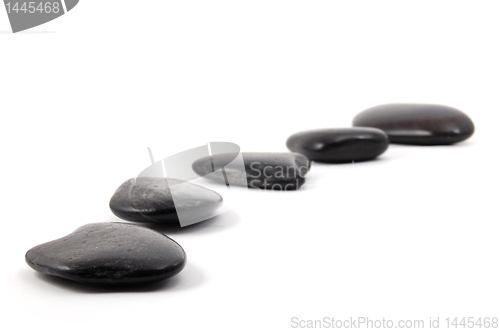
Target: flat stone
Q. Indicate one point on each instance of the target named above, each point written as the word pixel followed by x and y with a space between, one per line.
pixel 261 170
pixel 147 199
pixel 109 253
pixel 419 124
pixel 339 145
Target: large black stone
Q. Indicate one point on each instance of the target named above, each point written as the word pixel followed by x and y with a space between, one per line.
pixel 419 124
pixel 339 145
pixel 262 170
pixel 109 253
pixel 146 199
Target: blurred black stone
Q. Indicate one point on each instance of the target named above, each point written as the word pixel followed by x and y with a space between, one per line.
pixel 418 124
pixel 339 145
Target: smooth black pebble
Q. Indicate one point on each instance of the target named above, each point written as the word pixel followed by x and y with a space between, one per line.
pixel 418 124
pixel 262 170
pixel 109 253
pixel 339 145
pixel 147 199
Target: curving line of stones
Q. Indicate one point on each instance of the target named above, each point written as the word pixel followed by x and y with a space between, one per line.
pixel 123 253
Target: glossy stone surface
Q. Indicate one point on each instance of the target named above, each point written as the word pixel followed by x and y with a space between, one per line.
pixel 339 145
pixel 146 199
pixel 262 170
pixel 419 124
pixel 109 253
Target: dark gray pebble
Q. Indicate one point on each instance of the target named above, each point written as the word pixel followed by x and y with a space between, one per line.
pixel 109 253
pixel 146 199
pixel 261 170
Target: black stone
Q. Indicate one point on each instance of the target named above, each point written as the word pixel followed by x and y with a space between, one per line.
pixel 109 253
pixel 339 145
pixel 276 171
pixel 419 124
pixel 146 199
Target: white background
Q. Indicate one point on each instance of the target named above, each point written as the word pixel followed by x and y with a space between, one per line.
pixel 411 235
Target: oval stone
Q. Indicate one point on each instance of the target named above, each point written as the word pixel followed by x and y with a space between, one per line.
pixel 147 199
pixel 109 253
pixel 419 124
pixel 261 170
pixel 339 145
